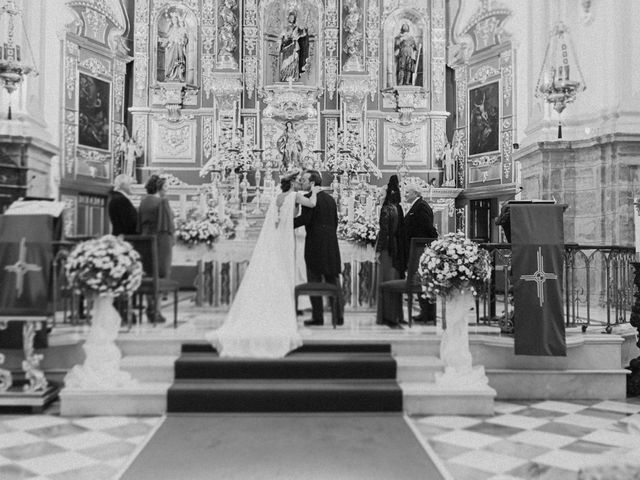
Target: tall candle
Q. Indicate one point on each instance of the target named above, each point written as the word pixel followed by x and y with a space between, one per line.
pixel 350 208
pixel 221 205
pixel 370 205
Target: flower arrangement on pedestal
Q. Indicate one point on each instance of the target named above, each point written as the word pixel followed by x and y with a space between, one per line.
pixel 206 230
pixel 105 266
pixel 455 268
pixel 362 229
pixel 453 263
pixel 102 269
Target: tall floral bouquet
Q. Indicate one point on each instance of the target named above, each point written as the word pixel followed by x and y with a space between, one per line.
pixel 453 263
pixel 206 230
pixel 362 229
pixel 106 265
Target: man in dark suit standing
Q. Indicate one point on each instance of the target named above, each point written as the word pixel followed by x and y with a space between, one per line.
pixel 321 250
pixel 122 214
pixel 124 221
pixel 418 223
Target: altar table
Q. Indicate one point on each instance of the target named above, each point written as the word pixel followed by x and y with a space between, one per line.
pixel 221 266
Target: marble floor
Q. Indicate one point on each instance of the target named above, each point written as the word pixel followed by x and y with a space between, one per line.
pixel 527 440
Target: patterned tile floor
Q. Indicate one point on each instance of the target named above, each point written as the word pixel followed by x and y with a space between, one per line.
pixel 548 440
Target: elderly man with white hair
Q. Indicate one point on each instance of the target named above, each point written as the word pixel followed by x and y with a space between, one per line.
pixel 418 223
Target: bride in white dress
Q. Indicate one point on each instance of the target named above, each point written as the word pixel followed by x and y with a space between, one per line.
pixel 262 319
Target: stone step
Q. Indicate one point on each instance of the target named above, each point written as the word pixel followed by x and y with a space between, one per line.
pixel 141 399
pixel 428 345
pixel 147 345
pixel 150 368
pixel 425 398
pixel 514 384
pixel 417 368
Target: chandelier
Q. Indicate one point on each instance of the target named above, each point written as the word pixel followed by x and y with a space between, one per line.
pixel 560 78
pixel 12 68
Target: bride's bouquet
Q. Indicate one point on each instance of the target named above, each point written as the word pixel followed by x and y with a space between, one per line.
pixel 106 265
pixel 453 263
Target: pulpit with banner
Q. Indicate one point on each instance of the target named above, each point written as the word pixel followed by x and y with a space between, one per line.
pixel 537 264
pixel 27 236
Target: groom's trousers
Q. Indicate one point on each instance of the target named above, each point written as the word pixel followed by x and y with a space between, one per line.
pixel 317 307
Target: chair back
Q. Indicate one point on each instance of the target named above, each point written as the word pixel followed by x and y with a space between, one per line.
pixel 147 247
pixel 416 249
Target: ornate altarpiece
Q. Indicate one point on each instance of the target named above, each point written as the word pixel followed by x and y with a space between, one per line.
pixel 347 80
pixel 95 60
pixel 482 144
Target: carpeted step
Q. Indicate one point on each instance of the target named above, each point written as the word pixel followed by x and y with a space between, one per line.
pixel 205 347
pixel 302 395
pixel 296 365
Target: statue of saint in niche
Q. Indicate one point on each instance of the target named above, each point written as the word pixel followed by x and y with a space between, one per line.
pixel 175 44
pixel 290 146
pixel 405 50
pixel 294 50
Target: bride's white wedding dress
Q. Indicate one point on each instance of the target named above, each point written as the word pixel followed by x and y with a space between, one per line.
pixel 262 319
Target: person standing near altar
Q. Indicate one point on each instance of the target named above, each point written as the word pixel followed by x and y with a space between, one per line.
pixel 122 214
pixel 124 220
pixel 390 253
pixel 155 217
pixel 321 250
pixel 419 224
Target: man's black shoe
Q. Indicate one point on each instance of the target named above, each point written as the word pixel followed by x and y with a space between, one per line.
pixel 394 326
pixel 311 323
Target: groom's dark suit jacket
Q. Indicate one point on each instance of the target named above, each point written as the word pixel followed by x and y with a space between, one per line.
pixel 321 251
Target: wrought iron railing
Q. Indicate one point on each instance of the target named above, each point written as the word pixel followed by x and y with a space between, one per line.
pixel 597 286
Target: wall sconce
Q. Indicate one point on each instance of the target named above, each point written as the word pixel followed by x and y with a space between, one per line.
pixel 12 68
pixel 560 78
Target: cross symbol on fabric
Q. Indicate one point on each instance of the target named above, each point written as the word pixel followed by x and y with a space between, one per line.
pixel 540 276
pixel 21 267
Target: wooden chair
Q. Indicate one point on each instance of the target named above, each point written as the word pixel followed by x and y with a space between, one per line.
pixel 152 284
pixel 411 285
pixel 321 289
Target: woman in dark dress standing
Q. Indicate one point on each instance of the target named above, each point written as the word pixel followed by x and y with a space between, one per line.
pixel 155 217
pixel 390 254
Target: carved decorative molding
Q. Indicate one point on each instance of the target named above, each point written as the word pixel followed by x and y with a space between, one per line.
pixel 331 30
pixel 120 70
pixel 71 70
pixel 353 91
pixel 484 160
pixel 506 71
pixel 352 32
pixel 207 59
pixel 207 138
pixel 141 51
pixel 172 96
pixel 438 54
pixel 405 99
pixel 290 102
pixel 373 46
pixel 250 51
pixel 227 27
pixel 372 138
pixel 96 66
pixel 483 73
pixel 227 89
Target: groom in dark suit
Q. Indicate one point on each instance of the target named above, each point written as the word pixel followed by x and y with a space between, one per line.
pixel 321 251
pixel 418 223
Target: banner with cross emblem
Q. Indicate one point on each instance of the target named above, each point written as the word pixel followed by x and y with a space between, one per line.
pixel 25 264
pixel 537 267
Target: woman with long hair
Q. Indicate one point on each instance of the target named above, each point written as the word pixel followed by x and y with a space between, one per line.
pixel 390 253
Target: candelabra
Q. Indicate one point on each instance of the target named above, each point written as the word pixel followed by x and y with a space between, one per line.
pixel 560 78
pixel 12 67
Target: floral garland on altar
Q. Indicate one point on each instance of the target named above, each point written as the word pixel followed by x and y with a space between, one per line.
pixel 452 263
pixel 104 266
pixel 362 229
pixel 206 230
pixel 237 154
